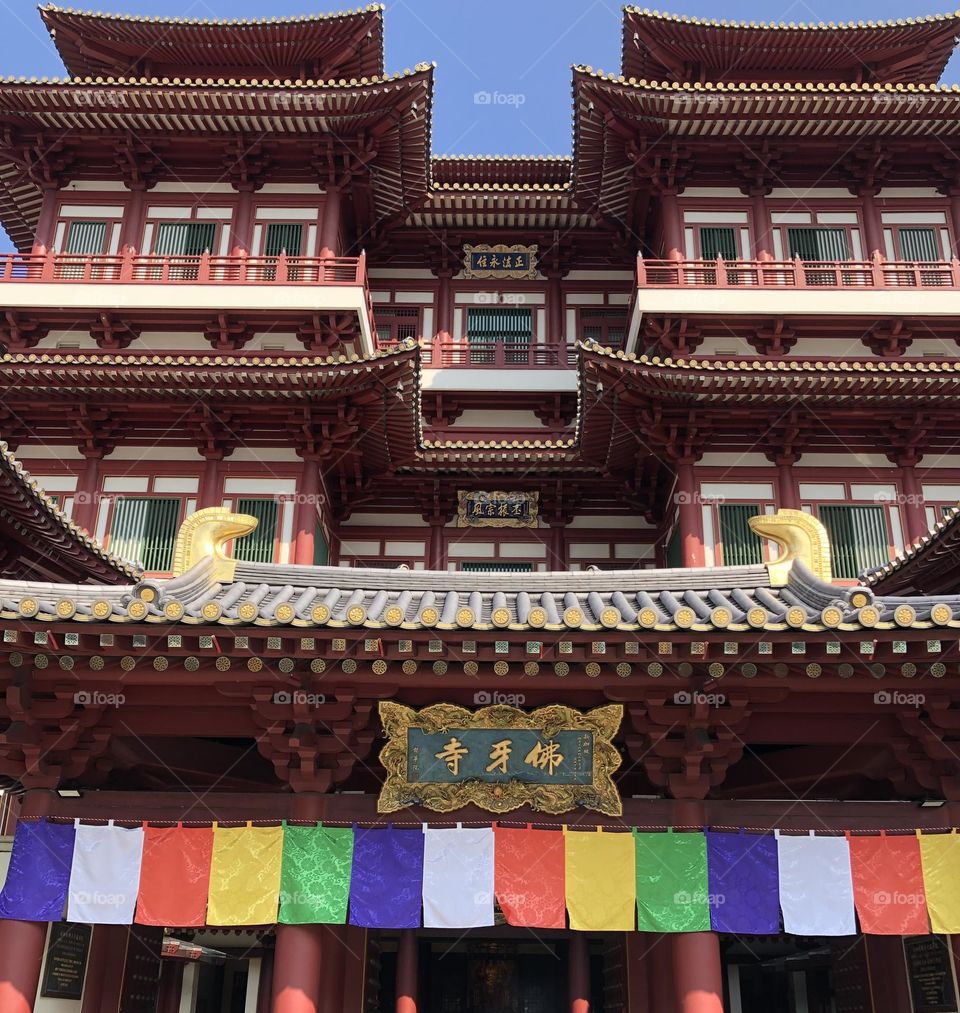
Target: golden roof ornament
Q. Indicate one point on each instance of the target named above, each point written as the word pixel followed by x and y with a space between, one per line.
pixel 801 536
pixel 204 534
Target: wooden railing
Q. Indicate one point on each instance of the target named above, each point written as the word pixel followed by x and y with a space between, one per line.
pixel 842 274
pixel 496 355
pixel 204 269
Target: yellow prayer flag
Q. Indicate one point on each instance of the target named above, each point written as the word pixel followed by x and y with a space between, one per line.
pixel 601 880
pixel 245 875
pixel 940 858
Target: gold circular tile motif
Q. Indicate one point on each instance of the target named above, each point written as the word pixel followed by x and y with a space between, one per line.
pixel 356 614
pixel 393 615
pixel 440 668
pixel 716 670
pixel 247 611
pixel 814 670
pixel 757 617
pixel 379 667
pixel 42 661
pixel 501 668
pixel 684 617
pixel 101 609
pixel 161 664
pixel 610 617
pixel 222 664
pixel 561 669
pixel 573 617
pixel 592 669
pixel 655 669
pixel 318 666
pixel 173 610
pixel 191 664
pixel 869 615
pixel 537 617
pixel 137 609
pixel 470 668
pixel 795 617
pixel 284 613
pixel 409 667
pixel 831 616
pixel 908 670
pixel 624 670
pixel 938 670
pixel 348 665
pixel 465 617
pixel 286 665
pixel 531 668
pixel 255 664
pixel 66 609
pixel 211 611
pixel 647 618
pixel 941 613
pixel 66 663
pixel 720 617
pixel 147 594
pixel 905 615
pixel 127 663
pixel 97 663
pixel 859 598
pixel 429 616
pixel 500 617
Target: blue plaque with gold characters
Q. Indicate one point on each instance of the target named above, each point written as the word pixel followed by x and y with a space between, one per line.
pixel 500 261
pixel 499 758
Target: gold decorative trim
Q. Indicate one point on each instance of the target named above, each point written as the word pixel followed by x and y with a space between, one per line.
pixel 398 793
pixel 204 534
pixel 801 536
pixel 529 273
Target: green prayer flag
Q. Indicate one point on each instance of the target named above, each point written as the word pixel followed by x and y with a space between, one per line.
pixel 315 880
pixel 672 889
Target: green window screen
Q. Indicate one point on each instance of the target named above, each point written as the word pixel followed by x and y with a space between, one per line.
pixel 510 324
pixel 86 237
pixel 818 244
pixel 716 242
pixel 497 567
pixel 858 538
pixel 675 549
pixel 741 547
pixel 257 547
pixel 283 238
pixel 919 244
pixel 144 528
pixel 321 551
pixel 184 239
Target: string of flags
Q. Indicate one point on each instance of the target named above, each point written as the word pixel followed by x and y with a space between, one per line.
pixel 393 878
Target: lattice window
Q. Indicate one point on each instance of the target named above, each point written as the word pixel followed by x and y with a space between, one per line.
pixel 740 546
pixel 859 538
pixel 607 327
pixel 397 323
pixel 258 546
pixel 144 528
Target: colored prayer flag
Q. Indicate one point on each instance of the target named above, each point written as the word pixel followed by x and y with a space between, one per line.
pixel 387 882
pixel 529 877
pixel 175 876
pixel 105 874
pixel 457 878
pixel 245 875
pixel 38 878
pixel 671 882
pixel 600 881
pixel 940 858
pixel 888 885
pixel 315 883
pixel 742 883
pixel 816 886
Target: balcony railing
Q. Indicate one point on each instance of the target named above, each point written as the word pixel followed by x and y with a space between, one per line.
pixel 496 355
pixel 842 274
pixel 204 269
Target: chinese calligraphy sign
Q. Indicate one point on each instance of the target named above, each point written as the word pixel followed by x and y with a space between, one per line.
pixel 497 509
pixel 484 261
pixel 500 758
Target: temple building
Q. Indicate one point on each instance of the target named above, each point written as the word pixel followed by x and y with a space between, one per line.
pixel 480 584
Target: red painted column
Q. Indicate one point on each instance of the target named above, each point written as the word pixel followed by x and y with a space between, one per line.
pixel 210 486
pixel 872 225
pixel 131 229
pixel 298 958
pixel 407 972
pixel 22 943
pixel 308 494
pixel 761 226
pixel 672 225
pixel 87 496
pixel 660 978
pixel 558 546
pixel 914 512
pixel 241 232
pixel 265 987
pixel 108 949
pixel 888 973
pixel 435 559
pixel 46 224
pixel 330 228
pixel 689 516
pixel 788 492
pixel 554 335
pixel 334 965
pixel 578 973
pixel 697 968
pixel 444 306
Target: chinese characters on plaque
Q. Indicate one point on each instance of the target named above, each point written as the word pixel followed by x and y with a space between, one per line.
pixel 512 262
pixel 497 509
pixel 500 758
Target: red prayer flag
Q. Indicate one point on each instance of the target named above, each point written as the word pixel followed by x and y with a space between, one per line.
pixel 529 877
pixel 174 876
pixel 888 885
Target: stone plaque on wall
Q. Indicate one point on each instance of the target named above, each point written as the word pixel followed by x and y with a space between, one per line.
pixel 68 946
pixel 933 988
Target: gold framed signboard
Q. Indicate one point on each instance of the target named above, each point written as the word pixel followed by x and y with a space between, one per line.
pixel 497 509
pixel 513 262
pixel 500 758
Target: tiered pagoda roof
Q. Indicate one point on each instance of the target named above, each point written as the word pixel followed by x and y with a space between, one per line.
pixel 665 47
pixel 39 542
pixel 317 47
pixel 928 566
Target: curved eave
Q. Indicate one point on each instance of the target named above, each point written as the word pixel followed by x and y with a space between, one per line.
pixel 929 564
pixel 909 50
pixel 93 43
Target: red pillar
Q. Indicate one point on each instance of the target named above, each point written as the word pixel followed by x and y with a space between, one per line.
pixel 105 965
pixel 298 957
pixel 241 233
pixel 672 225
pixel 872 225
pixel 888 973
pixel 444 306
pixel 334 964
pixel 697 968
pixel 210 486
pixel 46 224
pixel 689 516
pixel 554 335
pixel 558 546
pixel 660 979
pixel 87 497
pixel 435 544
pixel 265 987
pixel 407 972
pixel 788 493
pixel 131 229
pixel 578 960
pixel 330 228
pixel 761 226
pixel 914 512
pixel 308 495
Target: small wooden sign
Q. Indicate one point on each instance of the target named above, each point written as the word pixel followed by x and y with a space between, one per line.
pixel 500 758
pixel 514 262
pixel 66 964
pixel 933 987
pixel 497 509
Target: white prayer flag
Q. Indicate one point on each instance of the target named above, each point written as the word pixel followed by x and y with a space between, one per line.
pixel 816 886
pixel 458 878
pixel 105 875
